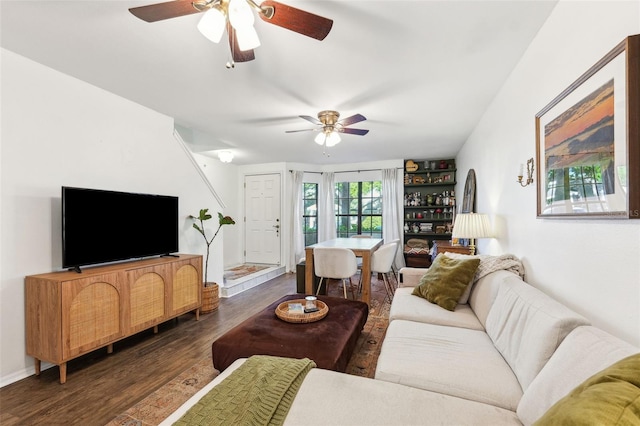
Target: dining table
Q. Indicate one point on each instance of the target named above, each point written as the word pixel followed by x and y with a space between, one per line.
pixel 361 247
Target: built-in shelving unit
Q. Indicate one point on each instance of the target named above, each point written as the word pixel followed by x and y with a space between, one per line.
pixel 429 203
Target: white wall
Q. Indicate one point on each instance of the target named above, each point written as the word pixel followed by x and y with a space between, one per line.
pixel 224 177
pixel 593 266
pixel 56 131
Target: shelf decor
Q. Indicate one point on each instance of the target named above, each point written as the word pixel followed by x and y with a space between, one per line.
pixel 429 206
pixel 588 142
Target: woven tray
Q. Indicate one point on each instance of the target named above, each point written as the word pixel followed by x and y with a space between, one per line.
pixel 282 312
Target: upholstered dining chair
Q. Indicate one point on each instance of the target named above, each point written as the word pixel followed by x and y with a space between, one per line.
pixel 394 267
pixel 359 259
pixel 382 263
pixel 335 263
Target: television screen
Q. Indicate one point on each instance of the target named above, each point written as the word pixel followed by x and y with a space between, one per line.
pixel 104 226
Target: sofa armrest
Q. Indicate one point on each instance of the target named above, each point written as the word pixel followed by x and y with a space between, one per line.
pixel 410 277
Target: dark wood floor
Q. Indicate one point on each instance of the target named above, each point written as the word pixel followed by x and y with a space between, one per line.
pixel 100 386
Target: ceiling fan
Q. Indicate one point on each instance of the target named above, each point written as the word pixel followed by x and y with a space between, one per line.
pixel 330 126
pixel 237 17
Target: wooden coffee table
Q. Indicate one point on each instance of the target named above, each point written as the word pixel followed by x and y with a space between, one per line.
pixel 329 342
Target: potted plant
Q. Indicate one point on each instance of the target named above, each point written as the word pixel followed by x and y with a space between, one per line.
pixel 210 291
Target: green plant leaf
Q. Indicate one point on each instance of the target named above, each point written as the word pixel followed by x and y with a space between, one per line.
pixel 204 215
pixel 225 220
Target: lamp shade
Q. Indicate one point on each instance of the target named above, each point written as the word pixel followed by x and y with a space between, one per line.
pixel 242 19
pixel 333 139
pixel 212 24
pixel 247 38
pixel 471 225
pixel 328 138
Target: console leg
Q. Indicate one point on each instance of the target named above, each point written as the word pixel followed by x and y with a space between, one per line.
pixel 37 365
pixel 63 373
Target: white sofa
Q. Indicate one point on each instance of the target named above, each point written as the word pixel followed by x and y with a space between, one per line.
pixel 505 357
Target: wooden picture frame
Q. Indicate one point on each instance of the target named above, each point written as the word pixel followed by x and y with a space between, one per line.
pixel 588 142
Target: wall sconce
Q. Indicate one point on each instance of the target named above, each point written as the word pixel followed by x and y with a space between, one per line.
pixel 225 156
pixel 529 179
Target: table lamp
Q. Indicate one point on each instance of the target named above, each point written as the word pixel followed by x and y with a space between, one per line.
pixel 471 226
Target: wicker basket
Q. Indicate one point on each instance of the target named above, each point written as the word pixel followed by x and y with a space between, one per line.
pixel 210 298
pixel 282 312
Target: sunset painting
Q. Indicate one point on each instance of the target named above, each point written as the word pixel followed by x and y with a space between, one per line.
pixel 583 135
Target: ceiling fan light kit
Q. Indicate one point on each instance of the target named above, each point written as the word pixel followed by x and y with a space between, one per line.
pixel 327 138
pixel 237 16
pixel 212 24
pixel 241 19
pixel 331 126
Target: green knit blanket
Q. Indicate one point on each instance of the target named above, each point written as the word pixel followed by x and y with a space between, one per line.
pixel 259 392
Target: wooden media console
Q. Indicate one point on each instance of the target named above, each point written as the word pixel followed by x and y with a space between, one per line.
pixel 69 314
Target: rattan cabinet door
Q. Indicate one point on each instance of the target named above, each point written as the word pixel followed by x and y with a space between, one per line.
pixel 186 286
pixel 91 313
pixel 146 294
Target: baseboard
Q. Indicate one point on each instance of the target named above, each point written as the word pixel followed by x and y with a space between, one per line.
pixel 23 374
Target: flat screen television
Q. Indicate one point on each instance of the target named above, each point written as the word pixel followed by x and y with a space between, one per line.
pixel 100 226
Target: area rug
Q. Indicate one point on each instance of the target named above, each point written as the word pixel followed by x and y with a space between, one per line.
pixel 242 271
pixel 157 406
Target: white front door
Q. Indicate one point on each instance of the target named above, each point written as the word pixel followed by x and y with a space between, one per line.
pixel 262 219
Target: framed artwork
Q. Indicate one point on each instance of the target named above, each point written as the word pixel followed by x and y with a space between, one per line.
pixel 588 142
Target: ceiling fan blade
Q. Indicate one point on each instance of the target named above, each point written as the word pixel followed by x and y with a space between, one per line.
pixel 303 130
pixel 352 120
pixel 296 20
pixel 161 11
pixel 237 54
pixel 311 119
pixel 360 132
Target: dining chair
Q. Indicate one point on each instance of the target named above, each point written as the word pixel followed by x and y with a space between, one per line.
pixel 359 259
pixel 394 267
pixel 335 263
pixel 382 263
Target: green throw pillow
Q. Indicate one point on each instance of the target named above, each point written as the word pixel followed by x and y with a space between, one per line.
pixel 610 397
pixel 446 280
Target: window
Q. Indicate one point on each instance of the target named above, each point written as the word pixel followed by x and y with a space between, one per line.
pixel 310 213
pixel 582 187
pixel 358 207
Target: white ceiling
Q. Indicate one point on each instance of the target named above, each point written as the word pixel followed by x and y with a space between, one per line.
pixel 422 72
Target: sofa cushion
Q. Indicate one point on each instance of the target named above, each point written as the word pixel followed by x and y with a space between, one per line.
pixel 408 307
pixel 610 397
pixel 446 280
pixel 449 360
pixel 331 398
pixel 527 326
pixel 485 291
pixel 568 367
